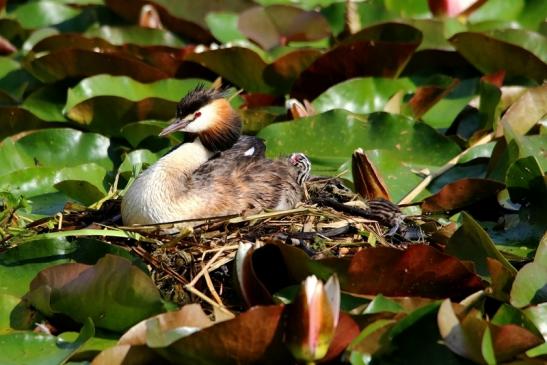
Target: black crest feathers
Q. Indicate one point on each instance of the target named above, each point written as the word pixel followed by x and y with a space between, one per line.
pixel 198 98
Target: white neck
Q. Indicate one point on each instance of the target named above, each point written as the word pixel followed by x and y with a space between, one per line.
pixel 151 197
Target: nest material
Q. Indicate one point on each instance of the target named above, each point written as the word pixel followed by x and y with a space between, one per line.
pixel 334 222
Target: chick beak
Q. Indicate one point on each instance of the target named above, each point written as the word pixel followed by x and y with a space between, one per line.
pixel 177 125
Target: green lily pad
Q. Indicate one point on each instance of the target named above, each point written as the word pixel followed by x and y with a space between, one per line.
pixel 530 285
pixel 47 104
pixel 361 95
pixel 223 25
pixel 277 25
pixel 135 35
pixel 239 65
pixel 78 63
pixel 471 242
pixel 57 148
pixel 41 14
pixel 34 348
pixel 105 103
pixel 113 292
pixel 382 50
pixel 492 55
pixel 330 138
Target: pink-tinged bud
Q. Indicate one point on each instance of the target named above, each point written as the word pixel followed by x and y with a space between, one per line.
pixel 312 319
pixel 451 8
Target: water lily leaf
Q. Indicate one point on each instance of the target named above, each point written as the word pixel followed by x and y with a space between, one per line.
pixel 20 264
pixel 338 133
pixel 75 290
pixel 492 55
pixel 461 193
pixel 530 285
pixel 34 348
pixel 137 132
pixel 78 63
pixel 416 339
pixel 471 242
pixel 223 25
pixel 61 148
pixel 362 95
pixel 525 112
pixel 538 315
pixel 191 316
pixel 526 183
pixel 278 25
pixel 41 14
pixel 408 273
pixel 283 71
pixel 163 57
pixel 330 138
pixel 382 50
pixel 239 65
pixel 187 19
pixel 47 103
pixel 217 344
pixel 143 158
pixel 91 102
pixel 135 35
pixel 478 340
pixel 508 314
pixel 81 190
pixel 15 119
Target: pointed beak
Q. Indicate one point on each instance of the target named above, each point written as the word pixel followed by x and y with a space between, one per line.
pixel 177 125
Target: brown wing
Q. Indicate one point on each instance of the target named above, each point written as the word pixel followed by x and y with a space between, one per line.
pixel 247 185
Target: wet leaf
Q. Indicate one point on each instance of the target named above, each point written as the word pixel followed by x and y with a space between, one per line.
pixel 478 340
pixel 380 51
pixel 461 193
pixel 135 35
pixel 187 19
pixel 105 103
pixel 492 55
pixel 362 95
pixel 217 344
pixel 419 271
pixel 190 316
pixel 343 132
pixel 283 71
pixel 75 290
pixel 530 285
pixel 14 120
pixel 278 25
pixel 41 14
pixel 239 65
pixel 34 348
pixel 20 264
pixel 426 97
pixel 78 63
pixel 525 112
pixel 223 25
pixel 472 243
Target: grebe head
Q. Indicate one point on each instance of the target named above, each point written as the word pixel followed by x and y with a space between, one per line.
pixel 207 114
pixel 303 166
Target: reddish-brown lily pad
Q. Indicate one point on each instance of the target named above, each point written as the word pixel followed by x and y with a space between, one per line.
pixel 419 271
pixel 381 50
pixel 461 193
pixel 278 25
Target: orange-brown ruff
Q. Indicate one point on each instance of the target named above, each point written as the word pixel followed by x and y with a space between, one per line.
pixel 219 173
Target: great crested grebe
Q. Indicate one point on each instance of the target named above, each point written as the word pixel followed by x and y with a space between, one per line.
pixel 219 173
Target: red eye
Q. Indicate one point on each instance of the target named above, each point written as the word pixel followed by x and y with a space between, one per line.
pixel 197 115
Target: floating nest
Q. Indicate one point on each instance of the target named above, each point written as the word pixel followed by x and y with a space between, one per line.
pixel 333 222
